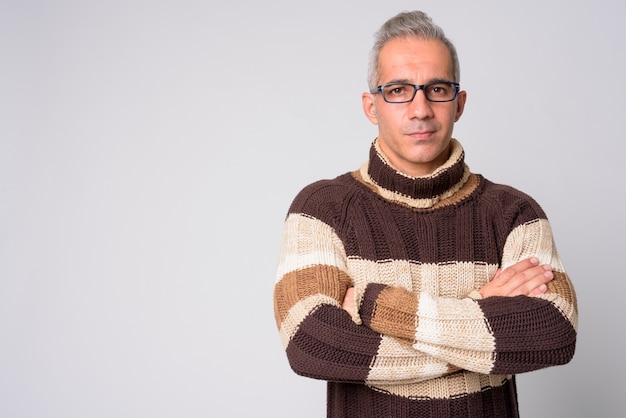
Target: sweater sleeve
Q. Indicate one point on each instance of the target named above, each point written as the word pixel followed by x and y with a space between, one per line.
pixel 495 335
pixel 321 339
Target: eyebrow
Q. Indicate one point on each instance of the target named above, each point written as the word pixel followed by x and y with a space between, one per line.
pixel 407 81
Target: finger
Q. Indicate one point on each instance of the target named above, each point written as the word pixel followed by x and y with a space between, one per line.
pixel 348 300
pixel 517 268
pixel 525 264
pixel 534 282
pixel 540 290
pixel 513 282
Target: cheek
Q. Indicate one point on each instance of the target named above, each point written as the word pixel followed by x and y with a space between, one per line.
pixel 457 115
pixel 386 127
pixel 390 119
pixel 450 117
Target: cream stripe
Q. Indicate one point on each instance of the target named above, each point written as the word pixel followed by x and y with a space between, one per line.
pixel 451 386
pixel 464 332
pixel 479 361
pixel 307 242
pixel 462 318
pixel 531 239
pixel 293 262
pixel 399 362
pixel 535 239
pixel 455 280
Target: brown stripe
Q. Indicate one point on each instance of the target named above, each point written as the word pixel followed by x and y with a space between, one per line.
pixel 377 229
pixel 329 345
pixel 549 338
pixel 418 204
pixel 418 187
pixel 360 401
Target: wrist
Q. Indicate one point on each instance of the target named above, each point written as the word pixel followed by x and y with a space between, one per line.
pixel 367 308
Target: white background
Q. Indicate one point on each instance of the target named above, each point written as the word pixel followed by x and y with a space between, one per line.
pixel 149 151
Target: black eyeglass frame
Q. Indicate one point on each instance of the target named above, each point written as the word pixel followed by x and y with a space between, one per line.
pixel 416 87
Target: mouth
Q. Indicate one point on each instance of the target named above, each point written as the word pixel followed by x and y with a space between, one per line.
pixel 421 135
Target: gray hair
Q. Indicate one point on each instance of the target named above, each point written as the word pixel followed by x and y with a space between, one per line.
pixel 408 24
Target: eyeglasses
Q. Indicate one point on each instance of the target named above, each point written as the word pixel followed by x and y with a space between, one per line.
pixel 439 91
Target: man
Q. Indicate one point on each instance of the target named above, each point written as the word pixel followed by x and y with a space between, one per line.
pixel 413 286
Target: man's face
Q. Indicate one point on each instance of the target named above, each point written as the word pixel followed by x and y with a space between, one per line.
pixel 414 136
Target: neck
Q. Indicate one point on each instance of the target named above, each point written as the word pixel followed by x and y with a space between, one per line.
pixel 411 168
pixel 417 191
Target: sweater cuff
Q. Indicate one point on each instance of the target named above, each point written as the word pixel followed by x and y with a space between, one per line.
pixel 367 310
pixel 475 294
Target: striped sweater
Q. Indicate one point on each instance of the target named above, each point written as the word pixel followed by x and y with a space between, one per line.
pixel 416 250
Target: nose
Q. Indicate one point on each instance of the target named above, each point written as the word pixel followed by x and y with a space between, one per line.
pixel 420 107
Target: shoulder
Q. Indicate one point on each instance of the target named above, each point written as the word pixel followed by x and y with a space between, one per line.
pixel 324 195
pixel 510 201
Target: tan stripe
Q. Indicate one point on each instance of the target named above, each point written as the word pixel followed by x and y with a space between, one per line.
pixel 452 386
pixel 562 286
pixel 561 294
pixel 468 188
pixel 316 280
pixel 401 323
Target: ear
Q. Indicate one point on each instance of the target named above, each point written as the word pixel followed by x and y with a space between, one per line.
pixel 369 107
pixel 461 98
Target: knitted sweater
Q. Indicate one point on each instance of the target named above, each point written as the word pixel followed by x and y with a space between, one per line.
pixel 423 342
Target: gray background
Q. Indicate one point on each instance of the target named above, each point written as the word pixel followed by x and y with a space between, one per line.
pixel 149 151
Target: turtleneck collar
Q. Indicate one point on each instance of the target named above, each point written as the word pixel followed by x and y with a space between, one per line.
pixel 419 192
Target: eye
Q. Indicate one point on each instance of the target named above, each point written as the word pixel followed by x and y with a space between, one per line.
pixel 397 90
pixel 439 89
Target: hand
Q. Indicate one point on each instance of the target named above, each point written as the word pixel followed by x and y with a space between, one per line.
pixel 526 278
pixel 348 300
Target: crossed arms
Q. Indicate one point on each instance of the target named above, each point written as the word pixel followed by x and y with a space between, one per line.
pixel 527 311
pixel 525 278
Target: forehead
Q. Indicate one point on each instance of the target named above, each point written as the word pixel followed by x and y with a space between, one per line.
pixel 414 59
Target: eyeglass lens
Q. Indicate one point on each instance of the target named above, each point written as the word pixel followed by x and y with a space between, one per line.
pixel 435 92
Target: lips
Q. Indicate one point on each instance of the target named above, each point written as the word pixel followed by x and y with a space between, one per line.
pixel 421 131
pixel 421 134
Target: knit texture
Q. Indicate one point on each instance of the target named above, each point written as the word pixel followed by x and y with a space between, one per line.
pixel 423 342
